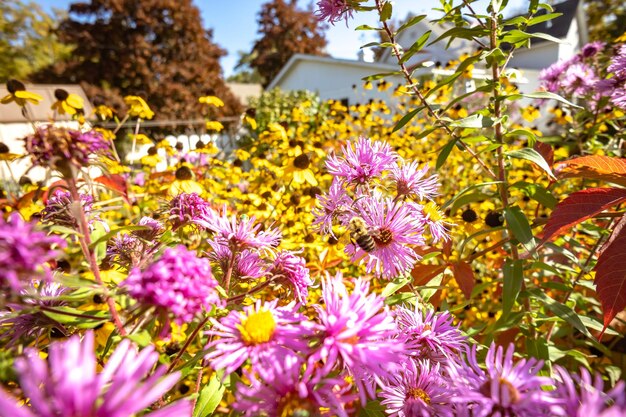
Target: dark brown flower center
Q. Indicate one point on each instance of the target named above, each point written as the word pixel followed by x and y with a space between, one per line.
pixel 383 237
pixel 4 148
pixel 14 85
pixel 184 173
pixel 60 94
pixel 301 162
pixel 469 216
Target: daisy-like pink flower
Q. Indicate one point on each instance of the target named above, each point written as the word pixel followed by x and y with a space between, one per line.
pixel 333 206
pixel 579 79
pixel 429 334
pixel 24 252
pixel 247 264
pixel 190 209
pixel 290 270
pixel 417 390
pixel 584 396
pixel 412 182
pixel 334 10
pixel 179 283
pixel 393 227
pixel 283 390
pixel 243 233
pixel 262 332
pixel 68 384
pixel 362 161
pixel 505 388
pixel 356 333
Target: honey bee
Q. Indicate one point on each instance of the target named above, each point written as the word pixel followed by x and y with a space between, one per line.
pixel 360 234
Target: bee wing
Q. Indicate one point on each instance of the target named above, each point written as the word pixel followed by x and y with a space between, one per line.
pixel 345 239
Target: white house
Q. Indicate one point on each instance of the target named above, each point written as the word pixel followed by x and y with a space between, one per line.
pixel 341 79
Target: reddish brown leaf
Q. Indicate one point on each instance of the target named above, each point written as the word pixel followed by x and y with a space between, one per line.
pixel 423 273
pixel 114 182
pixel 546 151
pixel 580 206
pixel 611 276
pixel 597 167
pixel 464 276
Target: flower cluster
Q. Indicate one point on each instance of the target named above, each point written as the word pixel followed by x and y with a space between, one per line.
pixel 60 210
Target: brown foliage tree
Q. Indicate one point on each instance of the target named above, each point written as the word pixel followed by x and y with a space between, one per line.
pixel 284 31
pixel 156 49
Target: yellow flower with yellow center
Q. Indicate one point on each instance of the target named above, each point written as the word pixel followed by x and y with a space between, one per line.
pixel 211 100
pixel 137 107
pixel 19 95
pixel 258 327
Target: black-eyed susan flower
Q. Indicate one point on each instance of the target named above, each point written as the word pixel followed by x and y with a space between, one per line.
pixel 299 169
pixel 184 183
pixel 67 103
pixel 5 153
pixel 19 95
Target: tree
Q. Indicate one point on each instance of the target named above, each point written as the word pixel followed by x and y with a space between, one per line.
pixel 28 42
pixel 284 31
pixel 606 19
pixel 244 73
pixel 156 49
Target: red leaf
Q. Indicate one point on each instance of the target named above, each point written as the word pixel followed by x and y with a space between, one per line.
pixel 422 274
pixel 598 167
pixel 546 151
pixel 114 182
pixel 611 276
pixel 464 276
pixel 580 206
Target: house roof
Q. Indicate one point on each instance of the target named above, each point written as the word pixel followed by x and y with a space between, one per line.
pixel 42 112
pixel 297 58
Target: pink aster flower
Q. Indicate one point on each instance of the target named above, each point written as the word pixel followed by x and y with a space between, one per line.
pixel 290 270
pixel 584 396
pixel 412 182
pixel 24 253
pixel 283 390
pixel 618 63
pixel 417 390
pixel 334 10
pixel 59 210
pixel 333 206
pixel 153 229
pixel 592 48
pixel 362 161
pixel 505 388
pixel 357 333
pixel 190 209
pixel 68 384
pixel 179 283
pixel 261 333
pixel 243 233
pixel 429 334
pixel 393 227
pixel 579 79
pixel 247 264
pixel 126 250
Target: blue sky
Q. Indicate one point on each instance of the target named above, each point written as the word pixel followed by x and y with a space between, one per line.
pixel 234 25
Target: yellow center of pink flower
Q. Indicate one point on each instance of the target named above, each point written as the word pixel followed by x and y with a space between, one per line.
pixel 431 211
pixel 416 393
pixel 258 327
pixel 383 237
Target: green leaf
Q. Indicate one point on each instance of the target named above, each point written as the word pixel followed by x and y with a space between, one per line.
pixel 380 76
pixel 495 56
pixel 466 190
pixel 537 349
pixel 475 121
pixel 518 223
pixel 406 118
pixel 386 11
pixel 368 45
pixel 513 279
pixel 402 297
pixel 63 230
pixel 537 192
pixel 77 318
pixel 469 198
pixel 142 338
pixel 416 47
pixel 210 397
pixel 562 311
pixel 413 21
pixel 372 409
pixel 533 156
pixel 367 27
pixel 425 133
pixel 444 153
pixel 542 18
pixel 542 95
pixel 395 285
pixel 432 287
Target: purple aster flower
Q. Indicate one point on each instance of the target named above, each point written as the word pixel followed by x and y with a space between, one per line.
pixel 393 227
pixel 61 211
pixel 247 264
pixel 334 10
pixel 127 251
pixel 68 384
pixel 429 334
pixel 592 48
pixel 178 283
pixel 333 207
pixel 357 333
pixel 56 147
pixel 290 270
pixel 433 218
pixel 618 63
pixel 584 396
pixel 417 390
pixel 410 181
pixel 189 209
pixel 24 253
pixel 551 76
pixel 242 234
pixel 579 79
pixel 283 390
pixel 362 161
pixel 22 323
pixel 616 86
pixel 263 333
pixel 154 229
pixel 505 388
